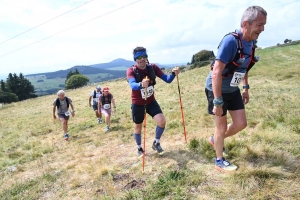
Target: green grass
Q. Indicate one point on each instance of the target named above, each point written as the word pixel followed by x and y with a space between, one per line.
pixel 266 152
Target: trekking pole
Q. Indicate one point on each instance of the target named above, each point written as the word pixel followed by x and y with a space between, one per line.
pixel 182 115
pixel 145 123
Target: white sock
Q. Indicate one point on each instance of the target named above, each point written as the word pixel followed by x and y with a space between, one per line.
pixel 156 141
pixel 139 146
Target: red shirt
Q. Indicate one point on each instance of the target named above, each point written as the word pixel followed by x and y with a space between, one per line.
pixel 136 95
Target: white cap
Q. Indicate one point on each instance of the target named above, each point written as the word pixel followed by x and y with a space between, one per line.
pixel 98 87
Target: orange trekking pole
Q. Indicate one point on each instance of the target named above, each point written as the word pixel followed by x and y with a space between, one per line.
pixel 145 122
pixel 182 115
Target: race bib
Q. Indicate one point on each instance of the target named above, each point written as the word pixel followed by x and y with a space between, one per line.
pixel 236 79
pixel 106 106
pixel 67 113
pixel 150 91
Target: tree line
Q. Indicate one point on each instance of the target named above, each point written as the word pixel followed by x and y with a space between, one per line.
pixel 16 88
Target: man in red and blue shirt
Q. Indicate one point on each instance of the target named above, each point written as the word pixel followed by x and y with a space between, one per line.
pixel 136 76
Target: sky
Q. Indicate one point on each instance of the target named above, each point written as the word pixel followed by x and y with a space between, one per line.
pixel 39 36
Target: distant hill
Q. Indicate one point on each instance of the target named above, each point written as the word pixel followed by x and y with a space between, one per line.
pixel 50 82
pixel 85 70
pixel 120 62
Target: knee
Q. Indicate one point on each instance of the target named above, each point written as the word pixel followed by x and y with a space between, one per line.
pixel 162 123
pixel 242 125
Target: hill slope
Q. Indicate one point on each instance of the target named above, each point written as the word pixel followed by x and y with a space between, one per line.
pixel 35 162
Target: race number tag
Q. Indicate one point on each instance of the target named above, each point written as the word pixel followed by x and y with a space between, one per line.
pixel 236 79
pixel 150 91
pixel 106 106
pixel 67 113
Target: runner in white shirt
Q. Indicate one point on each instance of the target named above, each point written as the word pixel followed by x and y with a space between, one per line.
pixel 93 101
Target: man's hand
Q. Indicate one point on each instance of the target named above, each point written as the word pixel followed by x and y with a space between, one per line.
pixel 245 96
pixel 176 70
pixel 218 111
pixel 145 82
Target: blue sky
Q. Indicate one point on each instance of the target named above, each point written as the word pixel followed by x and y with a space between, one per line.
pixel 171 30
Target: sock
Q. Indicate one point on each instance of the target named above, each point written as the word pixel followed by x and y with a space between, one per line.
pixel 138 139
pixel 139 146
pixel 158 134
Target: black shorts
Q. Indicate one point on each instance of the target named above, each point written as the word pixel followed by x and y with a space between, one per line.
pixel 138 111
pixel 63 116
pixel 232 101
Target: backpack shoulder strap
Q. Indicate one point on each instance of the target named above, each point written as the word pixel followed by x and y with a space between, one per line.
pixel 94 94
pixel 136 73
pixel 57 103
pixel 67 100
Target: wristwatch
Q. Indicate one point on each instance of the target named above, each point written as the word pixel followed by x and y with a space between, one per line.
pixel 246 87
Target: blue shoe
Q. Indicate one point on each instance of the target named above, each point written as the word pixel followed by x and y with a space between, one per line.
pixel 212 143
pixel 99 121
pixel 107 128
pixel 224 166
pixel 66 136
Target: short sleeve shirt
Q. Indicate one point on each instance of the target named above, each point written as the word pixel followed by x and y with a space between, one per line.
pixel 226 53
pixel 95 100
pixel 63 105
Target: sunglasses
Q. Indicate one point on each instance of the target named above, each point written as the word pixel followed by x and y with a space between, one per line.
pixel 140 57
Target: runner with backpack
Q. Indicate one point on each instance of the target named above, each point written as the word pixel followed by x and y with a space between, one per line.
pixel 140 85
pixel 104 105
pixel 93 101
pixel 234 60
pixel 62 104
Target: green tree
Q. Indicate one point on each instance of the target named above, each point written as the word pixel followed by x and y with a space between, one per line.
pixel 193 59
pixel 71 73
pixel 20 86
pixel 2 85
pixel 204 55
pixel 76 81
pixel 8 97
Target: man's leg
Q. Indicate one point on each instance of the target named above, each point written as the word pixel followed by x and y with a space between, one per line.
pixel 239 122
pixel 219 135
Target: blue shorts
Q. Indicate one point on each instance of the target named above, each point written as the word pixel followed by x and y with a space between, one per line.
pixel 232 101
pixel 95 107
pixel 138 111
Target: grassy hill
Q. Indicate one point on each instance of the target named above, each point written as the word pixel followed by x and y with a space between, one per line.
pixel 36 163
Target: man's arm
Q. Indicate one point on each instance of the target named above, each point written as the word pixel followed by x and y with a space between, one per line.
pixel 245 93
pixel 90 101
pixel 54 109
pixel 217 85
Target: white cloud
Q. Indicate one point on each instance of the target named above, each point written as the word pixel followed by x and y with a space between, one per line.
pixel 172 31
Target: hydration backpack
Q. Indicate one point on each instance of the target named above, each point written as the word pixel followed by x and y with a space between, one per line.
pixel 58 102
pixel 138 76
pixel 239 57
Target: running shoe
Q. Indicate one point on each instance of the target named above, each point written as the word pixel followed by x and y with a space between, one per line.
pixel 224 166
pixel 66 136
pixel 157 147
pixel 140 152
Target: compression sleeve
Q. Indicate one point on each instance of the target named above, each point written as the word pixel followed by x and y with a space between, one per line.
pixel 133 84
pixel 168 78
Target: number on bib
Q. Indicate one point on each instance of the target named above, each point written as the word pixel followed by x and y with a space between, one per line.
pixel 236 79
pixel 150 91
pixel 106 106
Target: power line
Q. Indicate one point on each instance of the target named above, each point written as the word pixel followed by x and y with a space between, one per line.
pixel 45 22
pixel 69 28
